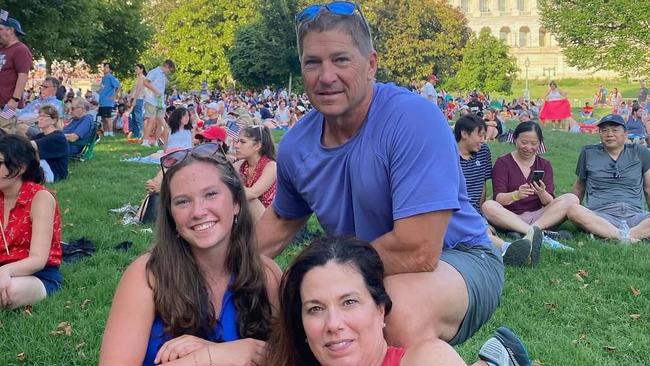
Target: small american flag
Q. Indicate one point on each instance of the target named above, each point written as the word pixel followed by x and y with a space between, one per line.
pixel 232 131
pixel 7 113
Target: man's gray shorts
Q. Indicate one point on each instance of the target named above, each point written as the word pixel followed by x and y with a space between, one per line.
pixel 482 269
pixel 615 212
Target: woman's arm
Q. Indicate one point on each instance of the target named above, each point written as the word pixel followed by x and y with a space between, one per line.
pixel 129 322
pixel 265 181
pixel 42 216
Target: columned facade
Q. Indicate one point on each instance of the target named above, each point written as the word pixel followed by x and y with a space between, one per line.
pixel 516 22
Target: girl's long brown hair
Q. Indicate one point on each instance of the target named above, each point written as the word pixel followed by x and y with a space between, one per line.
pixel 181 295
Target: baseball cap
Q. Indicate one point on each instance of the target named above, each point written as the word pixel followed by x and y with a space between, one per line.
pixel 612 119
pixel 212 105
pixel 13 23
pixel 213 133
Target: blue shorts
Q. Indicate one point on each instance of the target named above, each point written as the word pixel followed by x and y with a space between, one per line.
pixel 51 278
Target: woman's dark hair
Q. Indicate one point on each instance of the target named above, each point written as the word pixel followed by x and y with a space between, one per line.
pixel 261 134
pixel 141 67
pixel 19 153
pixel 288 344
pixel 181 293
pixel 175 118
pixel 526 127
pixel 468 123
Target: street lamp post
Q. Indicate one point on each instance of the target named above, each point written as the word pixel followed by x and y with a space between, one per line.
pixel 546 71
pixel 526 91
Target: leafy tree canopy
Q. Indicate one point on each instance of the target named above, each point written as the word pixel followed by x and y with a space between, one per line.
pixel 92 30
pixel 198 34
pixel 486 65
pixel 415 38
pixel 264 52
pixel 601 34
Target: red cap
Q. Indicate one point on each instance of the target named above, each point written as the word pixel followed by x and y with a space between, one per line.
pixel 213 133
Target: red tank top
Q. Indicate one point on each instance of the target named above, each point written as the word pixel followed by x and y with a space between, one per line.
pixel 18 231
pixel 267 197
pixel 393 356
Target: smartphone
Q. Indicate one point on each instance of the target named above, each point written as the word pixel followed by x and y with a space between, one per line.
pixel 538 175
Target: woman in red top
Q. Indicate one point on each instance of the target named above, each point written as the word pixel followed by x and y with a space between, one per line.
pixel 332 309
pixel 255 152
pixel 30 244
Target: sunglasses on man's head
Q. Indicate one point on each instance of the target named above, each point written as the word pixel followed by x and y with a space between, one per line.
pixel 335 7
pixel 206 150
pixel 345 8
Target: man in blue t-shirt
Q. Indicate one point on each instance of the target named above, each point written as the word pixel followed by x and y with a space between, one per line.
pixel 378 162
pixel 79 130
pixel 108 92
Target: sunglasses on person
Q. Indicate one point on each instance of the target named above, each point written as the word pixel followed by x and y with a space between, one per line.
pixel 206 150
pixel 344 8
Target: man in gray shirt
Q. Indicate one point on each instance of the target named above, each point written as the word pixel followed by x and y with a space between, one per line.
pixel 613 178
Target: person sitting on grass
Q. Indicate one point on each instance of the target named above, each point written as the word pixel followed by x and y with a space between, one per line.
pixel 51 145
pixel 255 152
pixel 30 252
pixel 612 180
pixel 333 309
pixel 180 130
pixel 79 130
pixel 203 293
pixel 520 202
pixel 636 129
pixel 476 163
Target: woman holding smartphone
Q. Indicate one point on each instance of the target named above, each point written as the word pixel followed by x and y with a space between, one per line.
pixel 523 188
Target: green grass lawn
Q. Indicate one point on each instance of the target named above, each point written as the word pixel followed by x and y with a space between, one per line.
pixel 565 319
pixel 578 90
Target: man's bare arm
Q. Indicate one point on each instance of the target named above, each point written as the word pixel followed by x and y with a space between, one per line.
pixel 646 186
pixel 414 244
pixel 274 232
pixel 579 189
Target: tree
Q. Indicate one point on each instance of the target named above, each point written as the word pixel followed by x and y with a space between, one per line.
pixel 601 34
pixel 264 52
pixel 119 35
pixel 56 30
pixel 89 30
pixel 198 34
pixel 415 38
pixel 486 65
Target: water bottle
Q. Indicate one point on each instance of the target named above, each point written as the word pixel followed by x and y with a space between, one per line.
pixel 624 232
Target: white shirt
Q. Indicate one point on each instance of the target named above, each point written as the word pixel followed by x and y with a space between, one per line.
pixel 159 80
pixel 429 92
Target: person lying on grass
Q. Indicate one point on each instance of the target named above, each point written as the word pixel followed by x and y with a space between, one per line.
pixel 30 252
pixel 203 294
pixel 521 199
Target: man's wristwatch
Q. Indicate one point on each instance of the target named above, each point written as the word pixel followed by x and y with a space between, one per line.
pixel 15 99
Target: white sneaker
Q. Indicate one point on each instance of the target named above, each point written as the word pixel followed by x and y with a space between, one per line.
pixel 146 143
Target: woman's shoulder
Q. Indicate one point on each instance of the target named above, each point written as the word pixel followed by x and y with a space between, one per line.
pixel 137 271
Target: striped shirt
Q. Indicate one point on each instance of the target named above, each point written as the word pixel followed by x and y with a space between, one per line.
pixel 477 169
